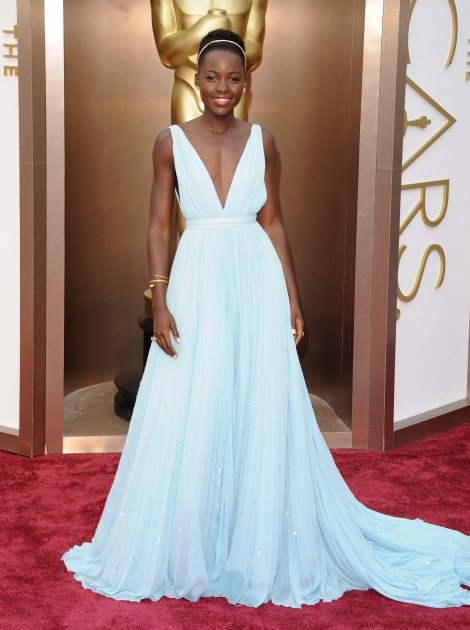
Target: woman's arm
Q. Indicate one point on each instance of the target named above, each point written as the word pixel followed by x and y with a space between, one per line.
pixel 158 237
pixel 270 218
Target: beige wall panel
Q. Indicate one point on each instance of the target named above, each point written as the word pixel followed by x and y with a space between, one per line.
pixel 117 97
pixel 116 100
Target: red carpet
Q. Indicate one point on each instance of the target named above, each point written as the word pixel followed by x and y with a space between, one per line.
pixel 51 502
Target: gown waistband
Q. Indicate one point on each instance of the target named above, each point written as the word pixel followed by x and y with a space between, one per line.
pixel 225 221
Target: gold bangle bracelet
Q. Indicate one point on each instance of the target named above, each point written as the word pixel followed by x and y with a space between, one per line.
pixel 159 275
pixel 154 282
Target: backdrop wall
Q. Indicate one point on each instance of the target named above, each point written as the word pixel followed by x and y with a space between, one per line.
pixel 9 219
pixel 117 97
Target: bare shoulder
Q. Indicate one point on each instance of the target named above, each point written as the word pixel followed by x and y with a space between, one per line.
pixel 163 146
pixel 163 139
pixel 269 143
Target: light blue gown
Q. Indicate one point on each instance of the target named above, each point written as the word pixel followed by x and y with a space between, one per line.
pixel 226 486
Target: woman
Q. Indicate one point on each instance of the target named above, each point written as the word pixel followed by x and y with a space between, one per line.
pixel 226 486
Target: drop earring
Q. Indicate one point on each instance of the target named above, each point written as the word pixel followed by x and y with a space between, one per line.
pixel 244 89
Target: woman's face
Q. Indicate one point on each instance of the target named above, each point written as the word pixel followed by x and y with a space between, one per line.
pixel 221 79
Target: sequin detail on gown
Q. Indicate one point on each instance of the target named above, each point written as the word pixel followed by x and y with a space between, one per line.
pixel 226 486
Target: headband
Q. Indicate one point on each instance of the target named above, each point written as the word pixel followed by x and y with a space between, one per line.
pixel 216 41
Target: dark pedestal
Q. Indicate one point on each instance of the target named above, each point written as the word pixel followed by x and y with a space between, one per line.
pixel 128 382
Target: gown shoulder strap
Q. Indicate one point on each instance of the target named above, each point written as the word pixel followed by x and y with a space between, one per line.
pixel 174 133
pixel 176 159
pixel 175 138
pixel 259 131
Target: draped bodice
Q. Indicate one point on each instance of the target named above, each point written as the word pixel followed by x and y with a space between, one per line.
pixel 196 193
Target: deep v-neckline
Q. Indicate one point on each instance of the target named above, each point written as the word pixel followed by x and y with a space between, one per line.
pixel 206 170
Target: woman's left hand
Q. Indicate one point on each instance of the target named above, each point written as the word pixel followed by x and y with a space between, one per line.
pixel 297 321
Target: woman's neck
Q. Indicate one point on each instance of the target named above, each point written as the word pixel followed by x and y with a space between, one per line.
pixel 217 124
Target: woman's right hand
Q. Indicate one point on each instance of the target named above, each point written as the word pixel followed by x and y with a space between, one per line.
pixel 163 323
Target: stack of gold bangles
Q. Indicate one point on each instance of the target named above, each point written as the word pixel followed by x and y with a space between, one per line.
pixel 157 278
